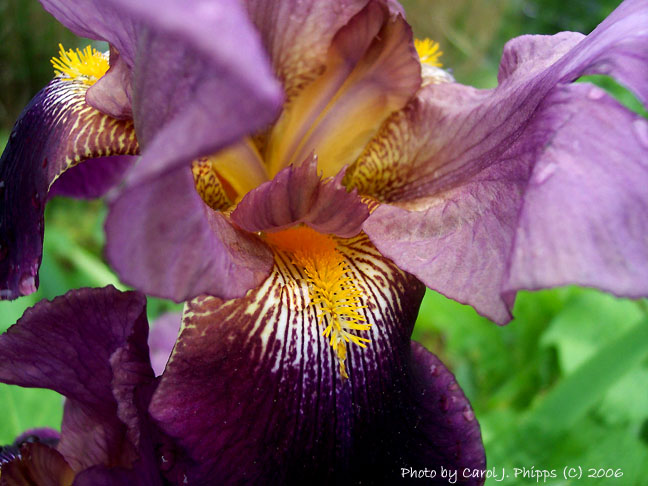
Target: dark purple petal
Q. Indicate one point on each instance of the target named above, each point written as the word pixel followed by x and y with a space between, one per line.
pixel 201 76
pixel 93 179
pixel 38 464
pixel 446 432
pixel 585 211
pixel 89 345
pixel 279 411
pixel 97 19
pixel 164 240
pixel 55 131
pixel 115 476
pixel 298 195
pixel 162 338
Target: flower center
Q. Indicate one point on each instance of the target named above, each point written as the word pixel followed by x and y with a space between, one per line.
pixel 332 290
pixel 87 65
pixel 428 52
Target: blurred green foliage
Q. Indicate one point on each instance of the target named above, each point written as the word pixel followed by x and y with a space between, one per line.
pixel 565 384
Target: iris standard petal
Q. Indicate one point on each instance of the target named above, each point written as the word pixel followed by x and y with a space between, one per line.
pixel 297 195
pixel 464 182
pixel 585 209
pixel 164 240
pixel 371 70
pixel 201 76
pixel 280 411
pixel 97 367
pixel 297 35
pixel 97 19
pixel 55 131
pixel 111 94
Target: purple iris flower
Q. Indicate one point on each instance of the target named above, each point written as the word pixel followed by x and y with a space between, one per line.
pixel 91 346
pixel 304 245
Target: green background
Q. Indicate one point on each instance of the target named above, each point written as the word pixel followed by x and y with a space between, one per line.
pixel 564 385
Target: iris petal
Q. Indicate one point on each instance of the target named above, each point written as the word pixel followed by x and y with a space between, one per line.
pixel 298 195
pixel 55 131
pixel 371 70
pixel 194 250
pixel 96 19
pixel 298 34
pixel 279 411
pixel 585 209
pixel 191 54
pixel 97 367
pixel 460 161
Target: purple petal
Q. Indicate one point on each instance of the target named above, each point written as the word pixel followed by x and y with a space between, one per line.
pixel 446 430
pixel 164 240
pixel 162 338
pixel 371 70
pixel 585 209
pixel 298 195
pixel 97 19
pixel 297 35
pixel 201 76
pixel 111 94
pixel 463 159
pixel 56 130
pixel 97 367
pixel 617 48
pixel 93 179
pixel 253 390
pixel 458 242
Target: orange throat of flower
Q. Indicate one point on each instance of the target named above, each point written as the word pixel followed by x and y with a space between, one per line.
pixel 332 290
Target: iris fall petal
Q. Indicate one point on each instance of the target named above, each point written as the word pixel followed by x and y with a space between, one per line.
pixel 279 411
pixel 56 131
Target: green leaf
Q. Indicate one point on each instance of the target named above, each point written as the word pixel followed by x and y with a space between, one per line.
pixel 574 395
pixel 27 408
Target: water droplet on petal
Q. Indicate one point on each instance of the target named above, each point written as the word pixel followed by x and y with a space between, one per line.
pixel 453 386
pixel 640 128
pixel 434 370
pixel 595 93
pixel 27 284
pixel 469 415
pixel 13 135
pixel 36 200
pixel 545 173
